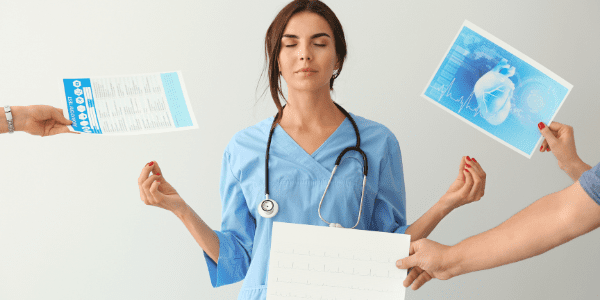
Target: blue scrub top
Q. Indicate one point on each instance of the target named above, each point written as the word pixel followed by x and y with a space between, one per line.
pixel 297 181
pixel 590 182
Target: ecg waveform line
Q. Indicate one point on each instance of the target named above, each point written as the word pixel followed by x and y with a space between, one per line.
pixel 333 255
pixel 463 103
pixel 304 296
pixel 322 268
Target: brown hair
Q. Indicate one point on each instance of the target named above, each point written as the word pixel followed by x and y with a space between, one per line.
pixel 275 33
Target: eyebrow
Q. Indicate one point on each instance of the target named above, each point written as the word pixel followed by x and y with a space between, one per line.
pixel 314 36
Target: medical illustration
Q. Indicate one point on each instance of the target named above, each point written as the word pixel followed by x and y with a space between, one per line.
pixel 494 91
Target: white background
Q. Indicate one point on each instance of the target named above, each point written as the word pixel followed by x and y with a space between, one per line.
pixel 72 225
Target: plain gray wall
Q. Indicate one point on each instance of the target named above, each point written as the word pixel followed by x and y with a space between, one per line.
pixel 72 225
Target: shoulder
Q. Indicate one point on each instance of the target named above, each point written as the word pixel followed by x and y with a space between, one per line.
pixel 250 138
pixel 375 134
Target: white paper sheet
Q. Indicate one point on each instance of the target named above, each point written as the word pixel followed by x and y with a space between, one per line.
pixel 128 105
pixel 316 262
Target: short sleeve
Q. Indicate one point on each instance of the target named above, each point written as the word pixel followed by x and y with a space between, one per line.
pixel 389 212
pixel 237 232
pixel 590 182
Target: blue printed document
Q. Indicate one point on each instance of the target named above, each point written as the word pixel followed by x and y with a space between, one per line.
pixel 128 105
pixel 496 89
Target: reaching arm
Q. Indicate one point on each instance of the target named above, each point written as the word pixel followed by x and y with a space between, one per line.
pixel 551 221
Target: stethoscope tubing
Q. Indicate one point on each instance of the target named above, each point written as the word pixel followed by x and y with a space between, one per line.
pixel 337 163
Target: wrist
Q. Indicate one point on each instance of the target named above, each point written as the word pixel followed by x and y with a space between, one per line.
pixel 445 205
pixel 454 260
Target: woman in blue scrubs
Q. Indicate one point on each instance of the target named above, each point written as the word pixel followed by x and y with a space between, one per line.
pixel 306 45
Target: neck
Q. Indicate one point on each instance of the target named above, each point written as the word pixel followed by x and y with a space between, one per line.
pixel 307 111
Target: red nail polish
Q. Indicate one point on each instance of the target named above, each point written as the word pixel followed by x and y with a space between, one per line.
pixel 468 158
pixel 541 147
pixel 541 125
pixel 158 174
pixel 151 163
pixel 467 170
pixel 468 166
pixel 474 159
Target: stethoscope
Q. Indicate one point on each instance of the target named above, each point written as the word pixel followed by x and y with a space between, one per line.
pixel 268 208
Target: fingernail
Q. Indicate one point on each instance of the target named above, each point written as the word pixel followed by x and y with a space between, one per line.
pixel 474 159
pixel 398 263
pixel 468 166
pixel 541 125
pixel 158 181
pixel 158 174
pixel 541 147
pixel 151 163
pixel 468 158
pixel 467 170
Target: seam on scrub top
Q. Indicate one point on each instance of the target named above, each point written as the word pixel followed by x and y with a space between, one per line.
pixel 229 166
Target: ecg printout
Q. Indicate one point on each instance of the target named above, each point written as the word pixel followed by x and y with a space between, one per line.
pixel 326 263
pixel 126 105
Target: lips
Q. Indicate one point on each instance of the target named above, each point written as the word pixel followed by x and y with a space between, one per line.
pixel 307 70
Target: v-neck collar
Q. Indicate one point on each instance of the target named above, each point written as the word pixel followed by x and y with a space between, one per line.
pixel 295 150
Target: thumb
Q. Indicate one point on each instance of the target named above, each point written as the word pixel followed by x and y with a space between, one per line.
pixel 547 134
pixel 57 114
pixel 408 262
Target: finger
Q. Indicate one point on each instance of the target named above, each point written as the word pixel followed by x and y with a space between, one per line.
pixel 548 149
pixel 146 188
pixel 476 190
pixel 544 146
pixel 555 126
pixel 156 195
pixel 412 275
pixel 421 280
pixel 475 166
pixel 58 116
pixel 463 161
pixel 407 262
pixel 156 169
pixel 468 183
pixel 547 133
pixel 145 172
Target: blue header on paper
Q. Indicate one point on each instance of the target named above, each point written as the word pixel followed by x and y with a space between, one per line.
pixel 81 106
pixel 177 104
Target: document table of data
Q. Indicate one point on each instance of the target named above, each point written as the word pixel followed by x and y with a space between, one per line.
pixel 133 104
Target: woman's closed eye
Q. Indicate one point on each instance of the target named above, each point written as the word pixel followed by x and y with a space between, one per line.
pixel 315 45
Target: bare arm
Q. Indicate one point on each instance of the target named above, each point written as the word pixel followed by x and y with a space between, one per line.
pixel 428 221
pixel 550 221
pixel 204 235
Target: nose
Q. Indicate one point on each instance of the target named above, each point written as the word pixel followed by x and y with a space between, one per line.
pixel 304 53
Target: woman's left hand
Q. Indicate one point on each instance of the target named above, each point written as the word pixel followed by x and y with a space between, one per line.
pixel 469 185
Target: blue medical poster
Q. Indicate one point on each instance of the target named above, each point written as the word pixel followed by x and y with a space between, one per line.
pixel 496 89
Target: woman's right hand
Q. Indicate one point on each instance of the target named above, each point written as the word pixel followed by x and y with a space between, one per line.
pixel 156 191
pixel 560 140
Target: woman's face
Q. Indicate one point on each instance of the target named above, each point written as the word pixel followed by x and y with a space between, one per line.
pixel 307 42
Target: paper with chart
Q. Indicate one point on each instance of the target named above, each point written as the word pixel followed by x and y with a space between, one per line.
pixel 496 89
pixel 128 105
pixel 325 263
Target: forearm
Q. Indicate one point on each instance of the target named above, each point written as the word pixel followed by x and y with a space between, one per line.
pixel 550 221
pixel 575 169
pixel 428 221
pixel 204 235
pixel 19 115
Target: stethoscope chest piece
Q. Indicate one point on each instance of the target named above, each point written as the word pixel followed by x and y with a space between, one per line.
pixel 268 208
